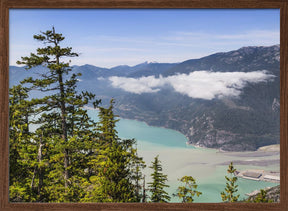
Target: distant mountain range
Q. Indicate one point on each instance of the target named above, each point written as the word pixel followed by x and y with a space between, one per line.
pixel 226 100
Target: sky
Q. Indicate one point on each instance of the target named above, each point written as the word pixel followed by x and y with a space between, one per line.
pixel 112 37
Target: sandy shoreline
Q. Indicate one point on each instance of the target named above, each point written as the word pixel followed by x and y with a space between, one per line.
pixel 207 165
pixel 184 160
pixel 268 150
pixel 253 162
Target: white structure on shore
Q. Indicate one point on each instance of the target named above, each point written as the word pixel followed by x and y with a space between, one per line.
pixel 259 175
pixel 272 177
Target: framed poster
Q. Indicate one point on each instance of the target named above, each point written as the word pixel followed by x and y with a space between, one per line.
pixel 189 90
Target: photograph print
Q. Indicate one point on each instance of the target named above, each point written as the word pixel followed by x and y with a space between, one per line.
pixel 162 105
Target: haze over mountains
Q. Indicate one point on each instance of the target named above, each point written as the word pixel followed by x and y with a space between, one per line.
pixel 226 100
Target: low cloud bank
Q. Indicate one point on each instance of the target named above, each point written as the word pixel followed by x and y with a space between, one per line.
pixel 199 84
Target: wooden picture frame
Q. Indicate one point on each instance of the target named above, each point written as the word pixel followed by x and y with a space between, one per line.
pixel 5 5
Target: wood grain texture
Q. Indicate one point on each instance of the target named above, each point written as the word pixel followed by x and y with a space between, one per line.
pixel 284 105
pixel 5 5
pixel 4 77
pixel 145 3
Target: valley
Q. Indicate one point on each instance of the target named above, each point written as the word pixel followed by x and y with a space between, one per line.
pixel 244 118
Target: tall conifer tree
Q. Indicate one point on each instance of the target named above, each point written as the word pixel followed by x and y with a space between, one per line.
pixel 116 162
pixel 158 194
pixel 231 187
pixel 68 157
pixel 19 141
pixel 62 116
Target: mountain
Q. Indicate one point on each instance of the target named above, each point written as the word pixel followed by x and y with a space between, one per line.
pixel 245 59
pixel 148 69
pixel 246 120
pixel 241 123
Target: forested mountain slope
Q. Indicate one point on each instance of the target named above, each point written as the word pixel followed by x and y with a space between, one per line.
pixel 241 115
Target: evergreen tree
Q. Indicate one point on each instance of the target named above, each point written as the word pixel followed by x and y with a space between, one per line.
pixel 136 166
pixel 19 141
pixel 61 117
pixel 188 191
pixel 156 187
pixel 231 187
pixel 144 195
pixel 68 157
pixel 115 162
pixel 18 129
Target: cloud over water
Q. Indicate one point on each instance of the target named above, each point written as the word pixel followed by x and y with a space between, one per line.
pixel 199 84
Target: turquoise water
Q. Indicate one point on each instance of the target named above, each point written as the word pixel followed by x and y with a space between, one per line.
pixel 178 160
pixel 142 132
pixel 212 186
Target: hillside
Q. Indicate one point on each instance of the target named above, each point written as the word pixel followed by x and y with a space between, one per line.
pixel 273 194
pixel 241 116
pixel 245 122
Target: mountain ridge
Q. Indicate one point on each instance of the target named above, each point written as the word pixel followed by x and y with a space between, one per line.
pixel 241 123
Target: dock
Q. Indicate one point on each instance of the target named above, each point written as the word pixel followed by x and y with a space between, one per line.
pixel 259 175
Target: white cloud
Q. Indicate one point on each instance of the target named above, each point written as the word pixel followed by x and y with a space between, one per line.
pixel 199 84
pixel 170 47
pixel 92 49
pixel 173 46
pixel 255 34
pixel 223 41
pixel 138 85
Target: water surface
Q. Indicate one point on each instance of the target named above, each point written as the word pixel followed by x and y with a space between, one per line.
pixel 178 159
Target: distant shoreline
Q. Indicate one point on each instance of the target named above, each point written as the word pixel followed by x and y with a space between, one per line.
pixel 268 148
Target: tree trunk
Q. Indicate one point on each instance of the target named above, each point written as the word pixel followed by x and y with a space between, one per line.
pixel 64 129
pixel 63 119
pixel 40 169
pixel 144 191
pixel 33 178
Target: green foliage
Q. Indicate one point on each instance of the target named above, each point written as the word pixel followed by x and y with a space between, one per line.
pixel 61 116
pixel 68 157
pixel 231 187
pixel 156 187
pixel 22 150
pixel 116 162
pixel 188 191
pixel 261 198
